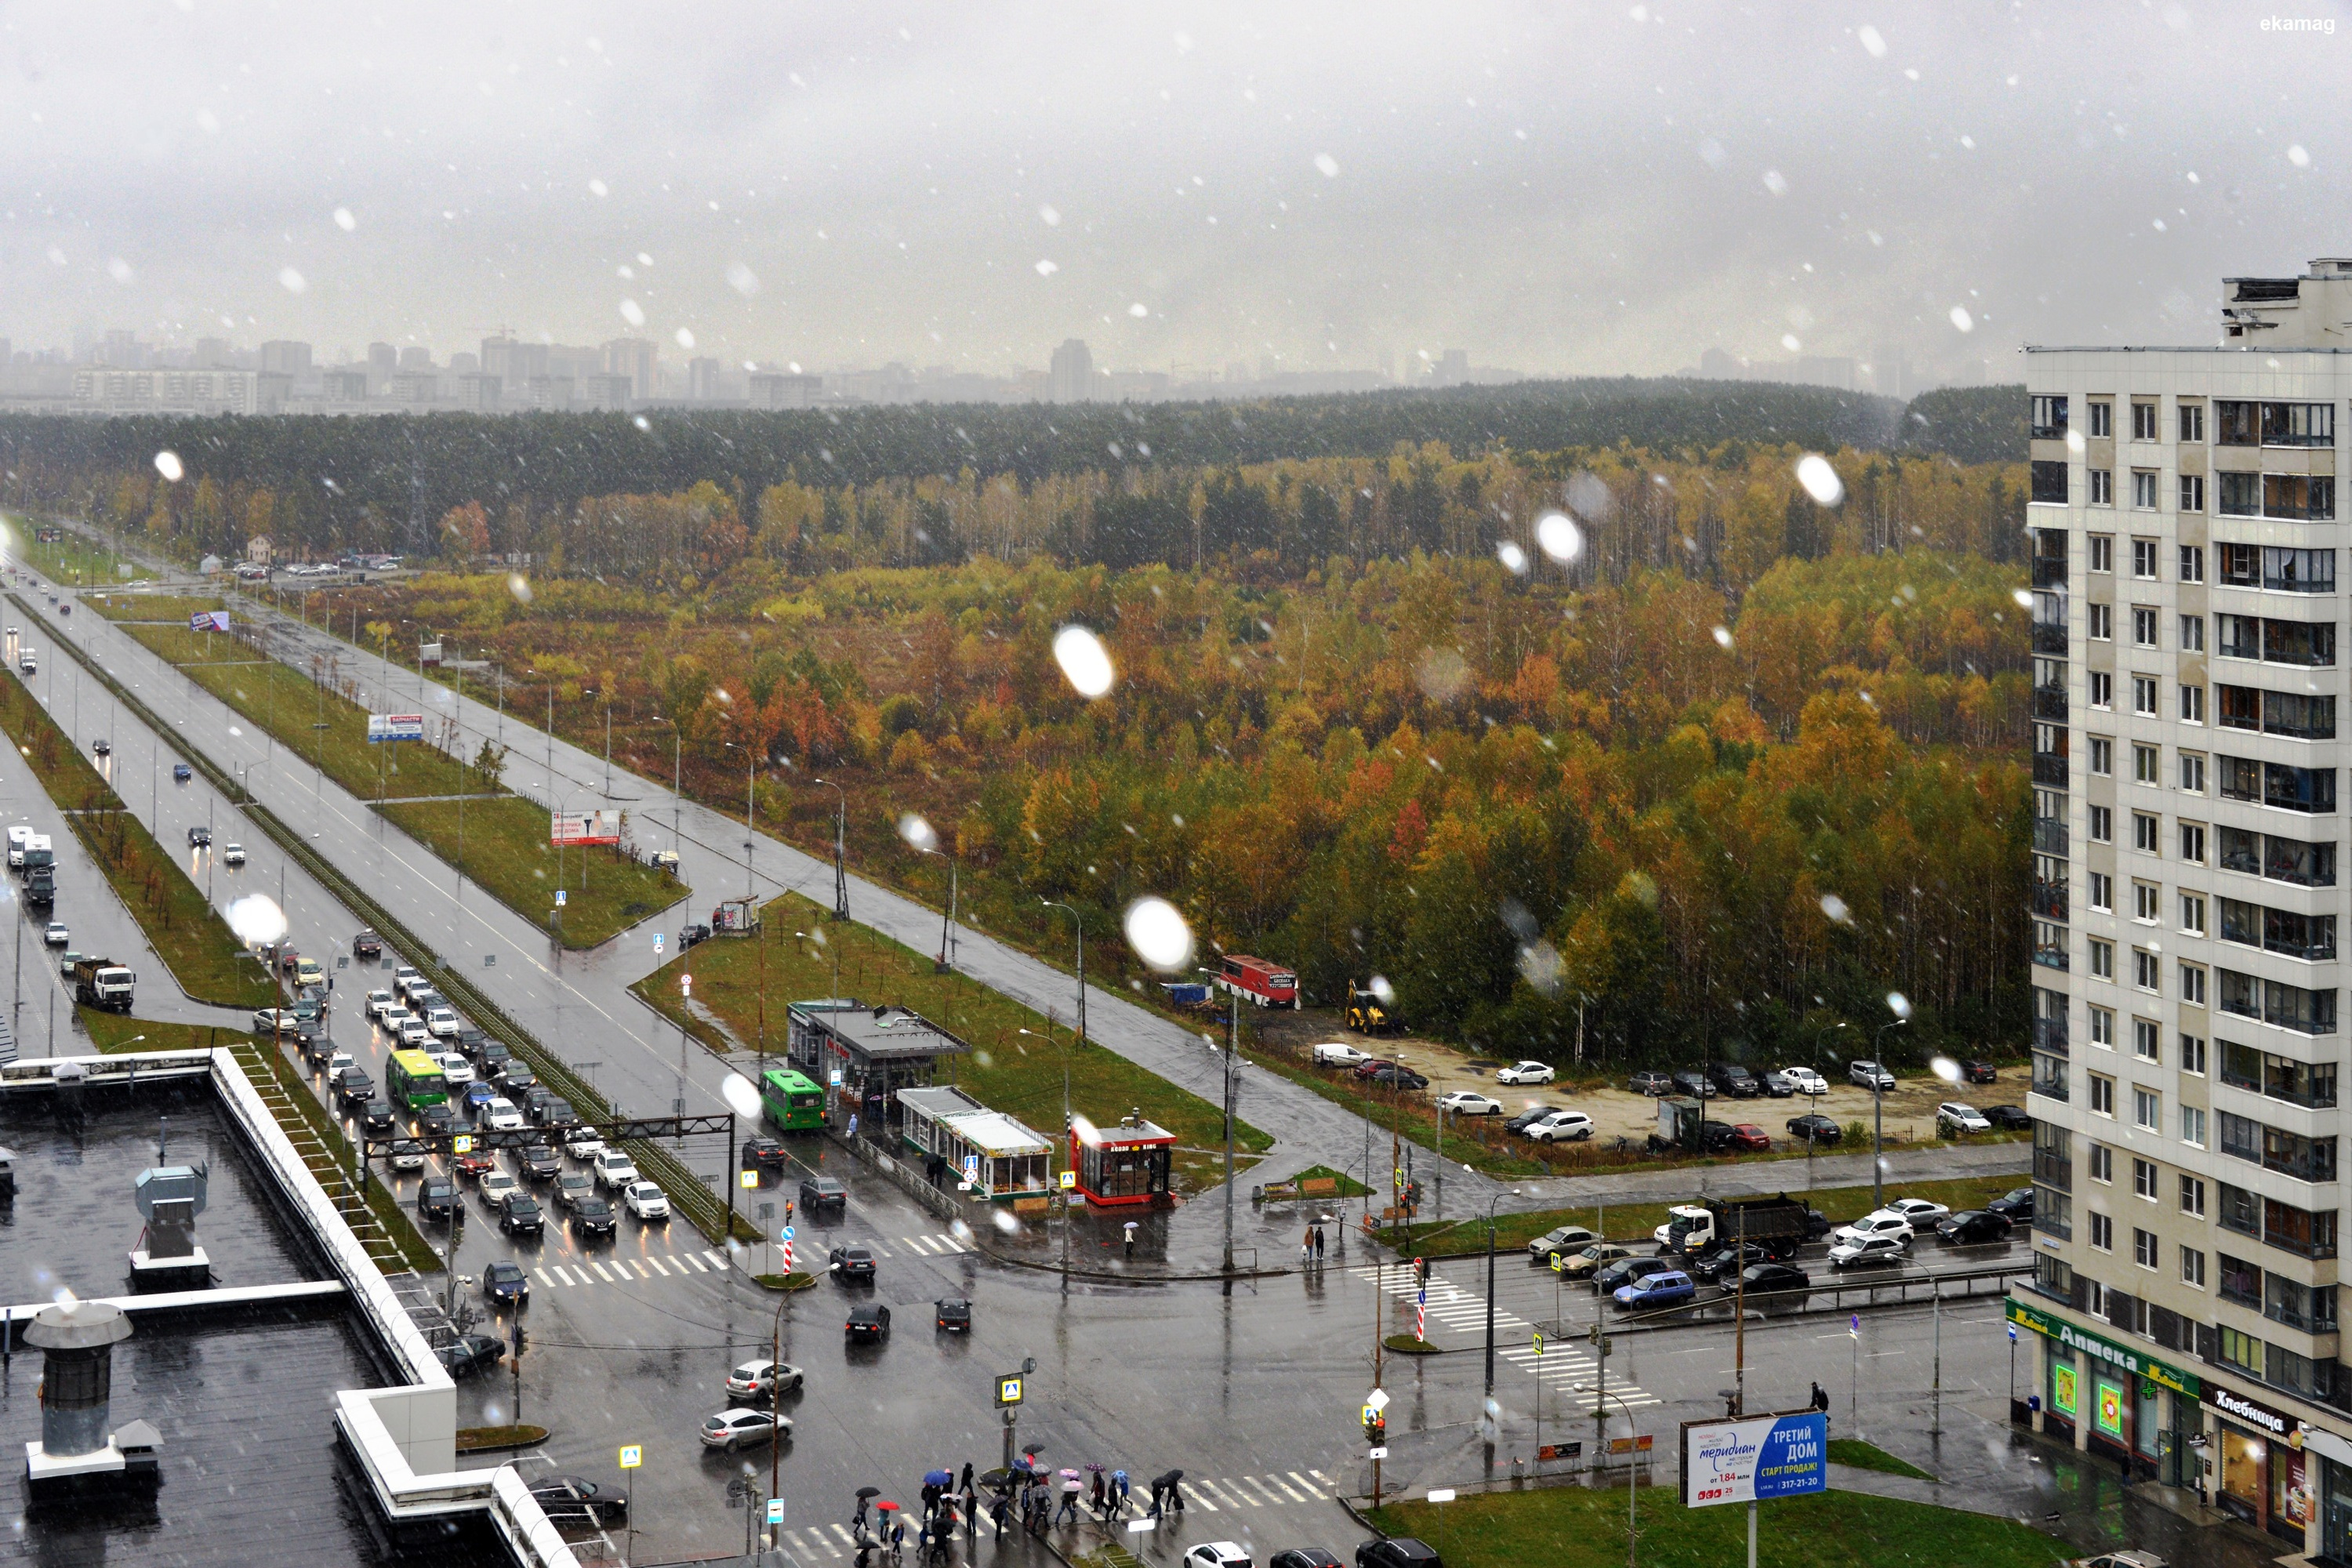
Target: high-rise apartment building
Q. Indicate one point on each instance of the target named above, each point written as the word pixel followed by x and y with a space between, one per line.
pixel 284 357
pixel 1073 371
pixel 2187 894
pixel 632 357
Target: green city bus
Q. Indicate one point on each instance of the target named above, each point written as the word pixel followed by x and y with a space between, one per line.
pixel 414 1079
pixel 794 1102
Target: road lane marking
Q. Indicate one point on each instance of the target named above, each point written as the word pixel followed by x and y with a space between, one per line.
pixel 843 1532
pixel 719 1259
pixel 700 1267
pixel 560 1274
pixel 657 1265
pixel 543 1276
pixel 599 1268
pixel 1311 1491
pixel 638 1264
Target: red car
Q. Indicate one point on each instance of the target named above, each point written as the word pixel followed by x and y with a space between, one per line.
pixel 1747 1135
pixel 473 1167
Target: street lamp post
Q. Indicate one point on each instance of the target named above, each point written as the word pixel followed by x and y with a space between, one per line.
pixel 840 852
pixel 1878 1113
pixel 1498 1197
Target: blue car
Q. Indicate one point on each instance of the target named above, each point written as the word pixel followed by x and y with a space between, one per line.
pixel 478 1095
pixel 182 772
pixel 1673 1288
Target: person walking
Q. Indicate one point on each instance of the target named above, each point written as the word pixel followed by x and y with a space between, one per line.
pixel 1129 1231
pixel 1319 1243
pixel 1072 1489
pixel 1118 1479
pixel 1099 1498
pixel 1000 1511
pixel 1156 1490
pixel 1821 1400
pixel 1175 1494
pixel 964 1484
pixel 1306 1246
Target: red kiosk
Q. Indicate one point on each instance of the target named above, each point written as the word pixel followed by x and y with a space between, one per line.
pixel 1127 1163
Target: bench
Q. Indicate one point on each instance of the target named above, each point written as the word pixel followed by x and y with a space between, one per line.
pixel 1320 1186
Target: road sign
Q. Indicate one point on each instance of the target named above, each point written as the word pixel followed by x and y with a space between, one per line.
pixel 1559 1263
pixel 1141 1526
pixel 750 1178
pixel 775 1511
pixel 2013 1333
pixel 632 1456
pixel 1069 1180
pixel 1442 1494
pixel 1755 1461
pixel 786 1234
pixel 461 1144
pixel 685 983
pixel 1008 1389
pixel 1539 1344
pixel 834 1078
pixel 1378 1453
pixel 559 898
pixel 657 944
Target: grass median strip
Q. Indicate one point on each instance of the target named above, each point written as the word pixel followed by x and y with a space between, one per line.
pixel 186 933
pixel 1018 1059
pixel 500 842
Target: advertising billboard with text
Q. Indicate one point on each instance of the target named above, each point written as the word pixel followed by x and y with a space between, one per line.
pixel 1755 1461
pixel 570 827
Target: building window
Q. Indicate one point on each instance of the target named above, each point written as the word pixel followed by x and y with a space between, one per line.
pixel 2143 1179
pixel 2304 1232
pixel 2144 697
pixel 2103 757
pixel 2144 1250
pixel 2144 764
pixel 2192 1130
pixel 2144 833
pixel 2094 1297
pixel 2192 1268
pixel 2103 416
pixel 2102 689
pixel 2102 892
pixel 2192 421
pixel 2192 913
pixel 2310 1084
pixel 2192 705
pixel 2053 1277
pixel 2048 419
pixel 2192 981
pixel 2192 1053
pixel 2147 970
pixel 2049 479
pixel 2102 962
pixel 2304 1011
pixel 2147 902
pixel 2102 553
pixel 2143 559
pixel 2143 420
pixel 2241 1282
pixel 2101 623
pixel 2143 621
pixel 2192 633
pixel 2275 424
pixel 2192 1195
pixel 2143 494
pixel 2192 843
pixel 2192 776
pixel 2148 1038
pixel 2192 559
pixel 2102 1162
pixel 2310 643
pixel 2103 486
pixel 2192 493
pixel 2241 1351
pixel 2237 1210
pixel 2103 1232
pixel 2147 1109
pixel 2101 824
pixel 2102 1104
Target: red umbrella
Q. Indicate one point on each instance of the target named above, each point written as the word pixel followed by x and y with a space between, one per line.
pixel 886 1505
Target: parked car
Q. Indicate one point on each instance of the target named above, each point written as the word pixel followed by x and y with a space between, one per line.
pixel 868 1320
pixel 519 1214
pixel 1807 1080
pixel 1530 1116
pixel 745 1426
pixel 1650 1083
pixel 1869 1075
pixel 1876 1223
pixel 506 1283
pixel 1397 1551
pixel 1470 1102
pixel 1559 1238
pixel 569 1499
pixel 1592 1258
pixel 437 1198
pixel 1396 1075
pixel 594 1216
pixel 1303 1557
pixel 1693 1083
pixel 1815 1129
pixel 1524 1072
pixel 764 1379
pixel 854 1263
pixel 647 1201
pixel 1867 1252
pixel 1625 1271
pixel 1974 1071
pixel 407 1154
pixel 472 1353
pixel 1338 1053
pixel 1767 1277
pixel 2008 1118
pixel 952 1315
pixel 1218 1554
pixel 1668 1288
pixel 1562 1127
pixel 1749 1137
pixel 1957 1118
pixel 2015 1204
pixel 1734 1080
pixel 1974 1227
pixel 1778 1084
pixel 1716 1137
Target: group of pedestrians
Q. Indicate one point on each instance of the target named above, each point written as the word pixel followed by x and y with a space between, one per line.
pixel 1031 1497
pixel 1311 1246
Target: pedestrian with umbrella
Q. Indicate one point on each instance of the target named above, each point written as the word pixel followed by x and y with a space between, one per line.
pixel 1001 1509
pixel 864 1494
pixel 1099 1499
pixel 935 1486
pixel 1072 1489
pixel 1166 1486
pixel 1119 1484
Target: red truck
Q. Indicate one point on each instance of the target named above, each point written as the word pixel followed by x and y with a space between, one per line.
pixel 1255 980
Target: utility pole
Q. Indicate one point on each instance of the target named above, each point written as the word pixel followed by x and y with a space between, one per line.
pixel 1233 1065
pixel 841 866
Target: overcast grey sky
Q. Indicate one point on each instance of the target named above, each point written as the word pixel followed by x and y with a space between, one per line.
pixel 1555 187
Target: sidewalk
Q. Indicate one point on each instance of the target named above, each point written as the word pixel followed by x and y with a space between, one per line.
pixel 1937 1163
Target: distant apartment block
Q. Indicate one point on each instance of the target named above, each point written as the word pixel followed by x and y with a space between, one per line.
pixel 101 390
pixel 1073 372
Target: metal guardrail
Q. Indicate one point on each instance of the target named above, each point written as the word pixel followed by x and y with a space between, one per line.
pixel 1904 1289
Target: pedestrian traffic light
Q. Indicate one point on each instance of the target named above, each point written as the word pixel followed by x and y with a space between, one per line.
pixel 787 1211
pixel 1376 1425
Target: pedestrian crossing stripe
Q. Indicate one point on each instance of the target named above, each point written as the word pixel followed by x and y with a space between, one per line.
pixel 556 1275
pixel 1213 1494
pixel 934 1245
pixel 1568 1370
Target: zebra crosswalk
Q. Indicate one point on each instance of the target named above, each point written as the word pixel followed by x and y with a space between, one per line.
pixel 1567 1366
pixel 1212 1494
pixel 628 1269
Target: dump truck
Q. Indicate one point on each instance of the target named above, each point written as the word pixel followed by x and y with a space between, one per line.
pixel 1779 1225
pixel 102 983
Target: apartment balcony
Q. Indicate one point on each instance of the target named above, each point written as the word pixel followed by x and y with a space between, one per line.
pixel 2053 1171
pixel 2049 638
pixel 2049 899
pixel 2049 836
pixel 2049 770
pixel 2049 1034
pixel 2049 573
pixel 2050 702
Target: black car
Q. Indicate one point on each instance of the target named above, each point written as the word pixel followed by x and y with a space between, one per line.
pixel 2016 1205
pixel 378 1117
pixel 1763 1276
pixel 1716 1136
pixel 1649 1083
pixel 367 944
pixel 437 1198
pixel 515 1081
pixel 868 1320
pixel 819 1194
pixel 573 1499
pixel 1397 1551
pixel 539 1163
pixel 594 1216
pixel 489 1056
pixel 470 1042
pixel 1625 1270
pixel 1303 1557
pixel 436 1121
pixel 507 1282
pixel 1395 1075
pixel 1723 1262
pixel 764 1154
pixel 954 1315
pixel 472 1353
pixel 1817 1225
pixel 1974 1227
pixel 692 936
pixel 519 1214
pixel 199 836
pixel 1529 1117
pixel 1974 1071
pixel 1734 1080
pixel 1692 1082
pixel 354 1089
pixel 2008 1118
pixel 555 1112
pixel 854 1263
pixel 1819 1131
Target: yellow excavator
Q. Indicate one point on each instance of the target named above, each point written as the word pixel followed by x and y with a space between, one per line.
pixel 1368 1014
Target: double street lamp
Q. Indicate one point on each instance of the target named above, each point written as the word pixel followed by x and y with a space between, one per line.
pixel 1902 1008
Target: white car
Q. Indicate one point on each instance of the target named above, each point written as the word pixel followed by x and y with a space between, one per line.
pixel 443 1022
pixel 232 855
pixel 336 1062
pixel 645 1201
pixel 582 1143
pixel 402 975
pixel 495 1185
pixel 1805 1080
pixel 379 1003
pixel 732 1429
pixel 1561 1127
pixel 499 1115
pixel 1877 1250
pixel 413 1035
pixel 764 1379
pixel 456 1071
pixel 1217 1554
pixel 1524 1072
pixel 616 1170
pixel 57 935
pixel 1869 1075
pixel 1879 1223
pixel 1337 1054
pixel 1921 1214
pixel 1470 1102
pixel 1961 1118
pixel 392 1017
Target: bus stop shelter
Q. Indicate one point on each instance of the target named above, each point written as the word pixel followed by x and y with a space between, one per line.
pixel 865 1057
pixel 1002 1156
pixel 1127 1163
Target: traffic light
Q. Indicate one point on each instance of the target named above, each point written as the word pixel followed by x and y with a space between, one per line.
pixel 787 1211
pixel 1376 1426
pixel 521 1342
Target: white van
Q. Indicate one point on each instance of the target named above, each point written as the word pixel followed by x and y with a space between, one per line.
pixel 16 838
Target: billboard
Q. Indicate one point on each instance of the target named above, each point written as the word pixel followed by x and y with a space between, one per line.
pixel 570 827
pixel 208 621
pixel 395 726
pixel 1755 1461
pixel 427 653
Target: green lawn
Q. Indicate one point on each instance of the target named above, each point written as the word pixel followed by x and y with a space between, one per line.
pixel 174 607
pixel 1864 1456
pixel 71 561
pixel 1579 1527
pixel 506 849
pixel 1009 1071
pixel 188 934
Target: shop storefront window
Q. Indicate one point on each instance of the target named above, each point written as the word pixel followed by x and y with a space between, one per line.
pixel 2063 1401
pixel 2290 1499
pixel 2244 1461
pixel 2335 1513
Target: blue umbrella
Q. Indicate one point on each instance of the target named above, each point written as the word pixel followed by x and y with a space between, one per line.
pixel 938 1478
